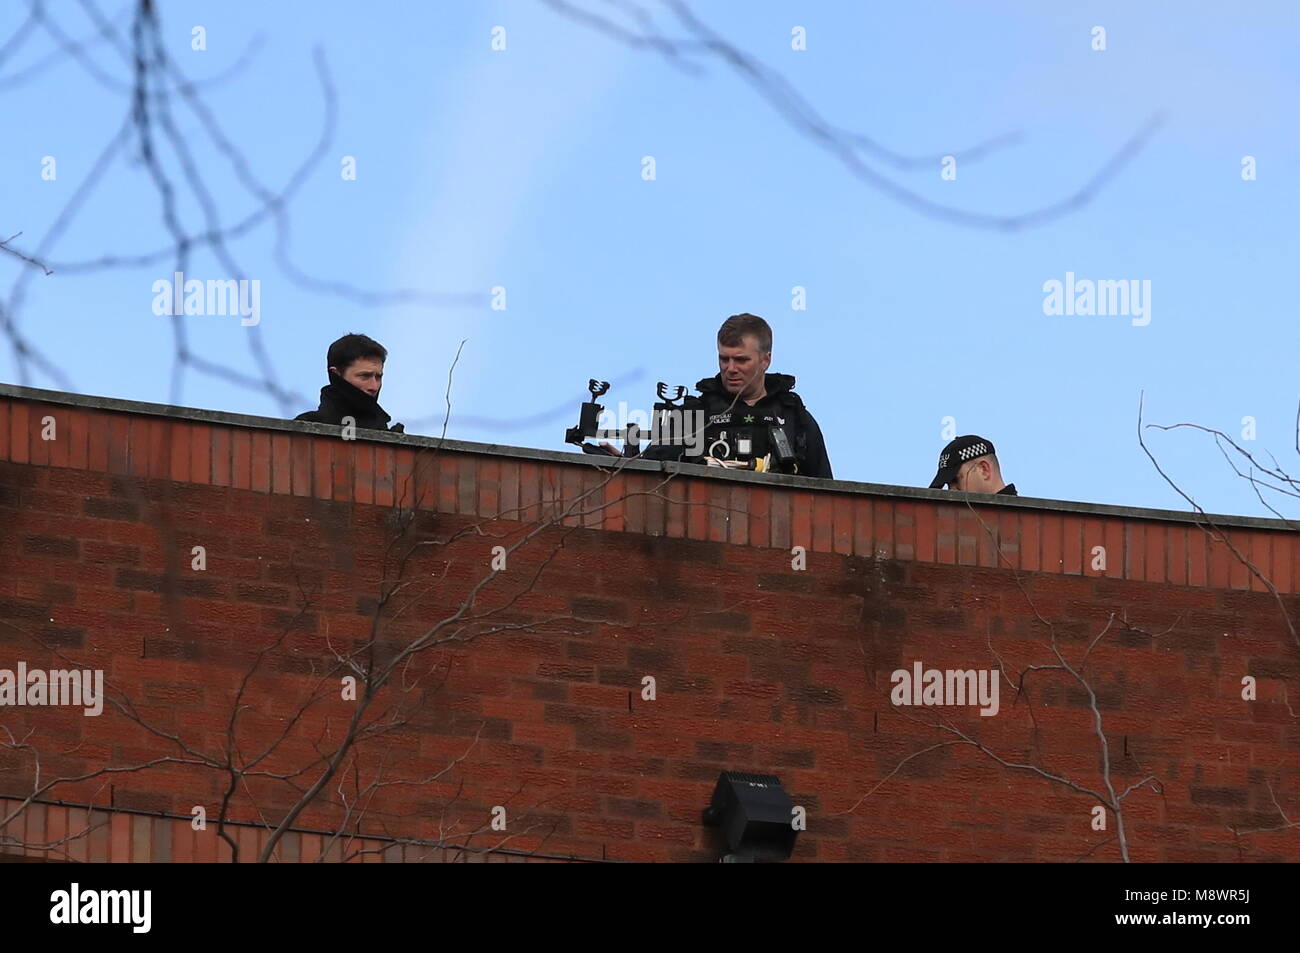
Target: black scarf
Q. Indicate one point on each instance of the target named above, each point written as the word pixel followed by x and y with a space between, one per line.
pixel 339 399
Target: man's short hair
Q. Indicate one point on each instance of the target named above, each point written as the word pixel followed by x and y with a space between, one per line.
pixel 353 347
pixel 737 326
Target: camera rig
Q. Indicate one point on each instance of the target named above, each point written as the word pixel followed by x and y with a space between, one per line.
pixel 666 428
pixel 670 427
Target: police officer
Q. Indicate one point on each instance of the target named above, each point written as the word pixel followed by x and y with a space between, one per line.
pixel 969 463
pixel 749 413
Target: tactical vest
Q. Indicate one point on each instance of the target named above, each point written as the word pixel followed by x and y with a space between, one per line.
pixel 737 431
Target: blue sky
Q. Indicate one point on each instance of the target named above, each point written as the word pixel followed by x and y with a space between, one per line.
pixel 522 168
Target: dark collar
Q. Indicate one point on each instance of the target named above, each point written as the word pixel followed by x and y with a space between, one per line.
pixel 773 384
pixel 352 400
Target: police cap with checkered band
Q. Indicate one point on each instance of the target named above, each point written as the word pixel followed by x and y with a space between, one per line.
pixel 955 454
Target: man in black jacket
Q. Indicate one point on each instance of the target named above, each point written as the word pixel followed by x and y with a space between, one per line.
pixel 749 413
pixel 356 373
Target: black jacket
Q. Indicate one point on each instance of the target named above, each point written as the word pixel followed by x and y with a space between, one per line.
pixel 339 399
pixel 780 401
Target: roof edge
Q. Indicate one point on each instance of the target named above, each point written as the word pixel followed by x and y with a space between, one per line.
pixel 117 405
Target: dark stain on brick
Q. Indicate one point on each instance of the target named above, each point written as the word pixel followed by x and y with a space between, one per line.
pixel 283 619
pixel 632 807
pixel 695 771
pixel 1281 669
pixel 723 751
pixel 724 621
pixel 600 610
pixel 669 549
pixel 59 592
pixel 591 737
pixel 655 659
pixel 1220 797
pixel 140 580
pixel 64 638
pixel 1134 639
pixel 785 582
pixel 772 670
pixel 572 715
pixel 817 695
pixel 751 648
pixel 111 510
pixel 686 684
pixel 466 725
pixel 569 672
pixel 172 650
pixel 11 609
pixel 947 619
pixel 195 587
pixel 302 665
pixel 622 677
pixel 50 546
pixel 795 758
pixel 549 691
pixel 1109 698
pixel 262 595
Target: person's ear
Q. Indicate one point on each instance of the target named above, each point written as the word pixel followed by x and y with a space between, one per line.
pixel 334 370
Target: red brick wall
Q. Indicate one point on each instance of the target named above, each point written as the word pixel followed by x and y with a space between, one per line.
pixel 68 834
pixel 759 666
